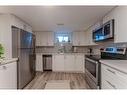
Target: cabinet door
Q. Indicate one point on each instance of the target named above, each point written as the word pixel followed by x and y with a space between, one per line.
pixel 39 65
pixel 105 85
pixel 58 62
pixel 41 39
pixel 75 39
pixel 44 39
pixel 50 38
pixel 113 77
pixel 86 38
pixel 79 63
pixel 38 39
pixel 69 62
pixel 82 38
pixel 8 76
pixel 89 38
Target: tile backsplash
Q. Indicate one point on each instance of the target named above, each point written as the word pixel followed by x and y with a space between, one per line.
pixel 81 49
pixel 47 49
pixel 96 49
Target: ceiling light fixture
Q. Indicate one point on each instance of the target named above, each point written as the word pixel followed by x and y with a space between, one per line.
pixel 59 24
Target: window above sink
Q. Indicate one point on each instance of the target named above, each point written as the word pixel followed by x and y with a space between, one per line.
pixel 62 37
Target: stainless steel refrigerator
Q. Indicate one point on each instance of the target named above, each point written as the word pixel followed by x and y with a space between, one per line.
pixel 23 47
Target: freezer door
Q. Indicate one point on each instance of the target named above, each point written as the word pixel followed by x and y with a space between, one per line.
pixel 26 39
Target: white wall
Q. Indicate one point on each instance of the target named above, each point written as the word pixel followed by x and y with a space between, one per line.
pixel 6 21
pixel 5 34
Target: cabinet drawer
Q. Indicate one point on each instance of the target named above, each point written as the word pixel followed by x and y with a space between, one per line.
pixel 106 85
pixel 108 80
pixel 115 78
pixel 113 72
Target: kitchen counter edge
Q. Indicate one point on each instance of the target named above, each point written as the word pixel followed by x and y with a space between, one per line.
pixel 119 65
pixel 7 61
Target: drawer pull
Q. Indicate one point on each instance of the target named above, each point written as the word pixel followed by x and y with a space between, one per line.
pixel 111 84
pixel 111 71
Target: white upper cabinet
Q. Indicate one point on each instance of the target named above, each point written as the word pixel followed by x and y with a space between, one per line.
pixel 75 38
pixel 82 38
pixel 119 14
pixel 44 38
pixel 78 38
pixel 50 38
pixel 38 39
pixel 88 37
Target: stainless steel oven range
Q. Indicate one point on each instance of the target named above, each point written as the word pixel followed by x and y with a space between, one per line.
pixel 92 72
pixel 93 66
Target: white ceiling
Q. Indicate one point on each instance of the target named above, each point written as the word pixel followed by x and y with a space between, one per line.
pixel 46 18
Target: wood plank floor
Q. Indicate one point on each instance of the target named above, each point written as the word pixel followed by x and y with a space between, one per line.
pixel 77 80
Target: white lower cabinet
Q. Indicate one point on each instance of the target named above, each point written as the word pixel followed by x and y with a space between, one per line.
pixel 79 62
pixel 58 62
pixel 39 65
pixel 68 62
pixel 105 85
pixel 8 76
pixel 112 78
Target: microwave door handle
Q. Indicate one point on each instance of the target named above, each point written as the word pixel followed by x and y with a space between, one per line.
pixel 111 28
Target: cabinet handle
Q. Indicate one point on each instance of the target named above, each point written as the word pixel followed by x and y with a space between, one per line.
pixel 111 71
pixel 111 84
pixel 4 67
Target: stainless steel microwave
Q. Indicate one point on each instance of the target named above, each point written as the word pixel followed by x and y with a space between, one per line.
pixel 106 31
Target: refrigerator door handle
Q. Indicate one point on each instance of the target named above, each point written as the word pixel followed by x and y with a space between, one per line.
pixel 18 59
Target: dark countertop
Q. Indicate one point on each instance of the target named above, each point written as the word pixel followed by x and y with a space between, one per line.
pixel 94 57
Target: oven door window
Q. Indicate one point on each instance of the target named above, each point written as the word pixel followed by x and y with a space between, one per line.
pixel 91 67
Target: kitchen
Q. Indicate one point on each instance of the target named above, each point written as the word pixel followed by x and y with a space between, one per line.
pixel 72 47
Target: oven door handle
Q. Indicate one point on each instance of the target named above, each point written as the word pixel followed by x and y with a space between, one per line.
pixel 93 61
